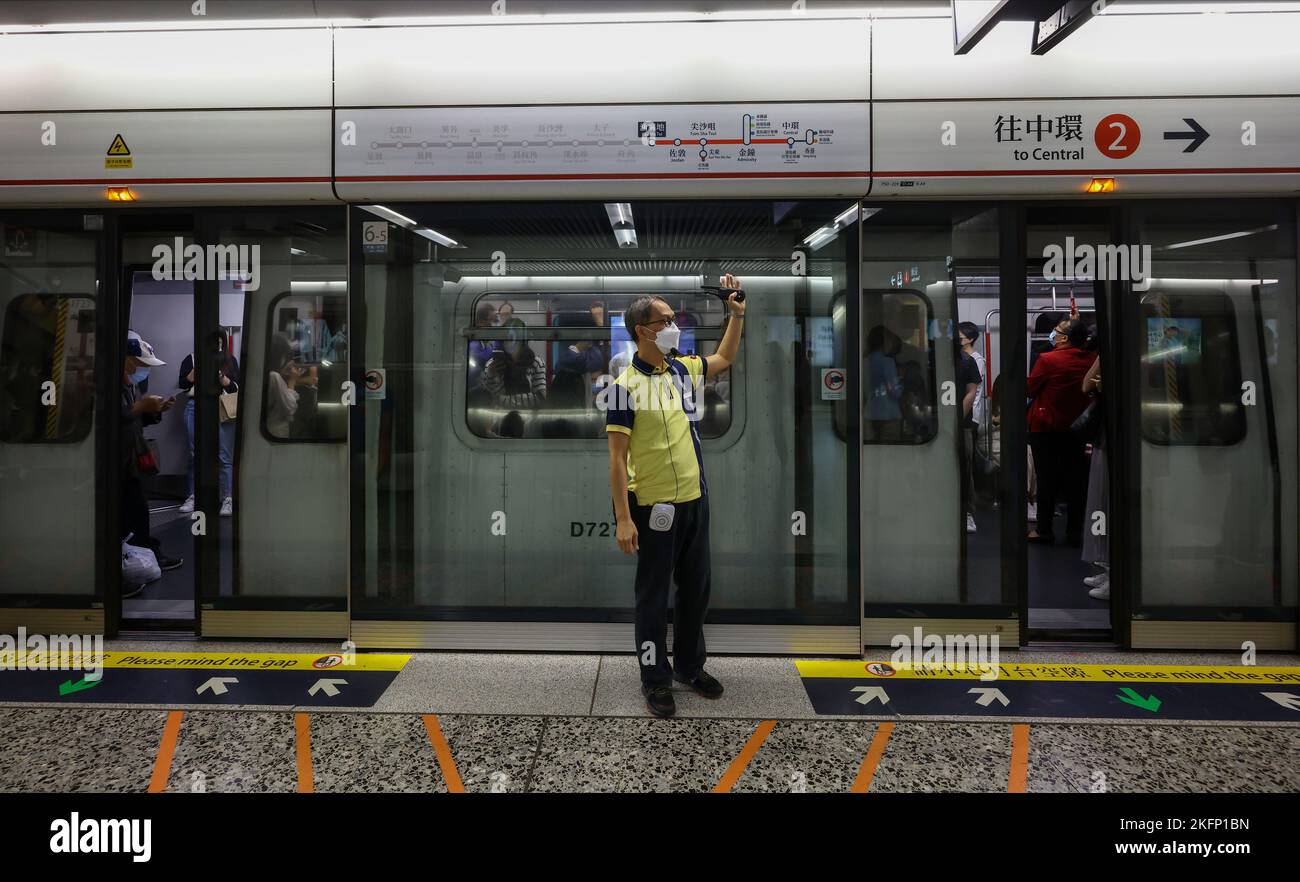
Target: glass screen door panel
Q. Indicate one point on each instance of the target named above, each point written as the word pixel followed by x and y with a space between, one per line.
pixel 276 472
pixel 50 267
pixel 1211 371
pixel 931 488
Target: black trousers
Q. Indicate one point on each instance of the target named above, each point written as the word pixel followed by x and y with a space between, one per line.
pixel 681 555
pixel 135 515
pixel 1061 466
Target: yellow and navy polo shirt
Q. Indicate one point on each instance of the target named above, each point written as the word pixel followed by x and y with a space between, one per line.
pixel 657 408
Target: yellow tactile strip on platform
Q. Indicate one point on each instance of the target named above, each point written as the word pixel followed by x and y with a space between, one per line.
pixel 1038 671
pixel 249 661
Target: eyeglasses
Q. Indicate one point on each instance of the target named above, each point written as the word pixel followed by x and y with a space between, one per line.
pixel 664 321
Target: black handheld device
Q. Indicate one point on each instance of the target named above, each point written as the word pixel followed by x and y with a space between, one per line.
pixel 723 293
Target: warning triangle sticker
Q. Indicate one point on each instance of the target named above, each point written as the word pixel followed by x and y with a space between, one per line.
pixel 119 148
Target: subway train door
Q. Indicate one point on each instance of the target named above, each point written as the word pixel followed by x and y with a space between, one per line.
pixel 163 446
pixel 1062 435
pixel 935 478
pixel 243 500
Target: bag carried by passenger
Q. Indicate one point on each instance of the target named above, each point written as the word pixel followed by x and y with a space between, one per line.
pixel 229 406
pixel 146 461
pixel 139 565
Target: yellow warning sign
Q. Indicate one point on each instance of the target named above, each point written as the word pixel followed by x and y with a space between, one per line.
pixel 119 155
pixel 226 661
pixel 1049 672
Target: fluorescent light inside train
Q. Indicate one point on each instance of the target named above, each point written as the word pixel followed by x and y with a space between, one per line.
pixel 620 220
pixel 822 235
pixel 434 236
pixel 388 214
pixel 1225 237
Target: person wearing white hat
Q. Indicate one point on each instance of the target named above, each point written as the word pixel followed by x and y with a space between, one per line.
pixel 139 411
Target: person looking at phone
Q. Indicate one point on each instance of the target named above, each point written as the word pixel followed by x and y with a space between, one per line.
pixel 282 388
pixel 139 410
pixel 661 504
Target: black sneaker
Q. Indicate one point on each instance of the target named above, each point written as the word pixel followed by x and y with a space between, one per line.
pixel 659 700
pixel 168 563
pixel 702 683
pixel 131 590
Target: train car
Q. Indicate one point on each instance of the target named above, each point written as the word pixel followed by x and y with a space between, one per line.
pixel 409 245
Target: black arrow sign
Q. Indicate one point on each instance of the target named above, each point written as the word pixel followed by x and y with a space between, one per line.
pixel 1195 138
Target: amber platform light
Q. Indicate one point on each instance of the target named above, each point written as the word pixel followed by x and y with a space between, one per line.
pixel 1101 185
pixel 120 194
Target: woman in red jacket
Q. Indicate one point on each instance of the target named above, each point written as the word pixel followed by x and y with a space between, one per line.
pixel 1055 385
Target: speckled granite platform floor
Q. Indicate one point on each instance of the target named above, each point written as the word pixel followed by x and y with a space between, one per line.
pixel 466 722
pixel 114 750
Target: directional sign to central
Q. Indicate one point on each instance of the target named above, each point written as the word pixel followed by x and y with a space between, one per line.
pixel 312 679
pixel 1150 692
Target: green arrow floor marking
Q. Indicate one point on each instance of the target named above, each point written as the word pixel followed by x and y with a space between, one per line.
pixel 1128 696
pixel 67 686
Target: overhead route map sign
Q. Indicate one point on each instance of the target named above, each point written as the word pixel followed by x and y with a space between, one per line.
pixel 577 142
pixel 941 147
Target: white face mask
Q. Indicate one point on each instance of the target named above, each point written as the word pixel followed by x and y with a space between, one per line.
pixel 668 338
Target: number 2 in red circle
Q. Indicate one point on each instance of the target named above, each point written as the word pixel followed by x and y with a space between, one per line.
pixel 1118 136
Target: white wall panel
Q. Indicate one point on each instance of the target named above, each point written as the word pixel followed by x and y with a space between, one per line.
pixel 165 69
pixel 788 59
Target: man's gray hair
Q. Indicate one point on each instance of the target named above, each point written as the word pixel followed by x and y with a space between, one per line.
pixel 638 312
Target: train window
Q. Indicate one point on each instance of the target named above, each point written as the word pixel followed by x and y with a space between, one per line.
pixel 1191 370
pixel 536 363
pixel 47 339
pixel 307 353
pixel 898 369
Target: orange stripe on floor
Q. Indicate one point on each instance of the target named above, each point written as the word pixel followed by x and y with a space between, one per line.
pixel 1019 775
pixel 162 764
pixel 302 733
pixel 862 783
pixel 746 754
pixel 443 750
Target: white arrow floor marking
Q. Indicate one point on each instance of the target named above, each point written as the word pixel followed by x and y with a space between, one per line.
pixel 217 685
pixel 870 692
pixel 987 696
pixel 326 686
pixel 1288 700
